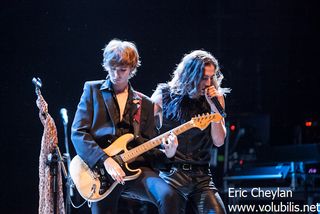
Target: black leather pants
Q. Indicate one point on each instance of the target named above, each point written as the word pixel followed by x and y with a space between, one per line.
pixel 197 190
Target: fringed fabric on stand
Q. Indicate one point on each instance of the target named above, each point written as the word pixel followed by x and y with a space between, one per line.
pixel 48 144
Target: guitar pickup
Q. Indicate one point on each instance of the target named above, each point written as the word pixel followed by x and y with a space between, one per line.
pixel 102 172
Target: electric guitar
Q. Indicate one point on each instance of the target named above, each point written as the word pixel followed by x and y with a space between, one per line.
pixel 96 184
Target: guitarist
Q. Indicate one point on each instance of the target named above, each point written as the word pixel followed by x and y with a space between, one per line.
pixel 109 109
pixel 194 83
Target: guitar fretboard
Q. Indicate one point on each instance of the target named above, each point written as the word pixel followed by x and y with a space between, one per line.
pixel 135 152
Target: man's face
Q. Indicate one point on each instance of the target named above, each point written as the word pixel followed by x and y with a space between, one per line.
pixel 207 78
pixel 120 75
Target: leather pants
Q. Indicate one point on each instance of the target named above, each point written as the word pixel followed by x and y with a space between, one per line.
pixel 197 190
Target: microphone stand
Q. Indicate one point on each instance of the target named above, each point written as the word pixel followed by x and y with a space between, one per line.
pixel 69 183
pixel 53 159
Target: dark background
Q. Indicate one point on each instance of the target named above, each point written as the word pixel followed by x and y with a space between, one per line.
pixel 268 51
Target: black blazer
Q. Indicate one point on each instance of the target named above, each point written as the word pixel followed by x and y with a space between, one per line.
pixel 93 126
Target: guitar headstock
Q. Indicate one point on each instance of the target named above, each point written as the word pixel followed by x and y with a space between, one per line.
pixel 203 121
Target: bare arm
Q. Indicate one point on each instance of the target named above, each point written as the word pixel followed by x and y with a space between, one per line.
pixel 157 99
pixel 170 145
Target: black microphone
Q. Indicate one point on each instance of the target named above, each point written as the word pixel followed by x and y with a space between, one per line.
pixel 218 106
pixel 64 115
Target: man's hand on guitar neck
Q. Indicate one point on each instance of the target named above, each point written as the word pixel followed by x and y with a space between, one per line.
pixel 114 170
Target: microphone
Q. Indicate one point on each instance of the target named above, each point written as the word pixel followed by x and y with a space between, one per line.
pixel 218 106
pixel 64 116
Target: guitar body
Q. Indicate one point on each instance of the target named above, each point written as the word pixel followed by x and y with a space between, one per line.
pixel 96 184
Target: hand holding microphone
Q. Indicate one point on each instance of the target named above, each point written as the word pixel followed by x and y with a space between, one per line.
pixel 212 94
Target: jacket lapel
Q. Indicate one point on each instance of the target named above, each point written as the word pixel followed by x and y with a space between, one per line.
pixel 106 92
pixel 134 100
pixel 136 112
pixel 136 105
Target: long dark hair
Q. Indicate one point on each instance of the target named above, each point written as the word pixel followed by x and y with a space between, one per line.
pixel 186 78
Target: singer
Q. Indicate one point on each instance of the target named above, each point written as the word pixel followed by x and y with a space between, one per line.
pixel 195 82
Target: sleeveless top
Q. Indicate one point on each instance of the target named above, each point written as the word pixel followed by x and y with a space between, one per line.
pixel 194 145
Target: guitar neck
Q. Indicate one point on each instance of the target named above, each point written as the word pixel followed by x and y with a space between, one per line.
pixel 135 152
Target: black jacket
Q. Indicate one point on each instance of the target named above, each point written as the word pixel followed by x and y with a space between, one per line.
pixel 94 126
